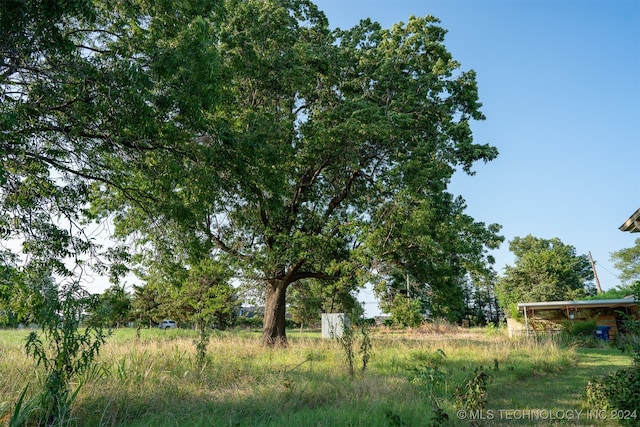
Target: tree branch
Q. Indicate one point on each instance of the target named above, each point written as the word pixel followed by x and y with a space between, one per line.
pixel 306 182
pixel 339 198
pixel 224 247
pixel 288 278
pixel 128 192
pixel 313 275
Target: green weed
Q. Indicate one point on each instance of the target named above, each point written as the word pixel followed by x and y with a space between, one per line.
pixel 152 382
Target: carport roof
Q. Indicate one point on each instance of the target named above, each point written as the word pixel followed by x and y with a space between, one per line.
pixel 623 302
pixel 633 223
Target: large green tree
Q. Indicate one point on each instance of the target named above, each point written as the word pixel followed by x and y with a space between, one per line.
pixel 92 93
pixel 628 262
pixel 244 131
pixel 113 308
pixel 88 89
pixel 544 270
pixel 310 298
pixel 318 146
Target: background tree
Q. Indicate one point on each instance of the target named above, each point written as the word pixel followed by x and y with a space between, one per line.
pixel 305 304
pixel 206 300
pixel 145 305
pixel 427 251
pixel 406 311
pixel 628 262
pixel 544 270
pixel 309 299
pixel 482 307
pixel 113 308
pixel 205 297
pixel 9 273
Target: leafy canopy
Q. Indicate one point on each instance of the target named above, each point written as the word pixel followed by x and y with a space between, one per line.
pixel 316 154
pixel 628 262
pixel 544 270
pixel 247 132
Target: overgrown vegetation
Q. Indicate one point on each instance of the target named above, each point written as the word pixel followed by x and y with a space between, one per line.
pixel 354 334
pixel 431 380
pixel 156 382
pixel 620 390
pixel 580 329
pixel 544 270
pixel 229 138
pixel 62 349
pixel 580 334
pixel 473 394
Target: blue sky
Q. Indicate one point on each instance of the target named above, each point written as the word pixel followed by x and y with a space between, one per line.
pixel 560 86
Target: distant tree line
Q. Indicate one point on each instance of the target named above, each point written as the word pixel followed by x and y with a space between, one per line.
pixel 544 270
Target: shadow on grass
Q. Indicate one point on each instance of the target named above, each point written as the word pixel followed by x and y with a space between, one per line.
pixel 295 400
pixel 543 392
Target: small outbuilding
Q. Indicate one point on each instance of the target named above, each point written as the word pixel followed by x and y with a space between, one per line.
pixel 551 316
pixel 333 324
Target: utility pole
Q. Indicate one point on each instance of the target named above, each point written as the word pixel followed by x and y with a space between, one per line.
pixel 595 273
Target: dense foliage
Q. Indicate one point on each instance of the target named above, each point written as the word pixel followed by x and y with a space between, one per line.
pixel 316 155
pixel 241 132
pixel 628 262
pixel 618 391
pixel 50 88
pixel 544 270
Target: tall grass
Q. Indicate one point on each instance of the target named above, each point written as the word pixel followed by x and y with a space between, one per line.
pixel 155 380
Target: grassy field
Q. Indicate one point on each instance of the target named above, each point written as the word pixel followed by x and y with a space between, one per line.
pixel 153 381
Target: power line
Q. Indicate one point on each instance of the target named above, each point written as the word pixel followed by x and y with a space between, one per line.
pixel 605 269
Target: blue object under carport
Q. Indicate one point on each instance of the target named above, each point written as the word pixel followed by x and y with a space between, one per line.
pixel 602 332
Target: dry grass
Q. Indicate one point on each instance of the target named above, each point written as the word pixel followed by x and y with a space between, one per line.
pixel 154 380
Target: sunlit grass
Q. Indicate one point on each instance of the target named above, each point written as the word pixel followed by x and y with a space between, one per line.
pixel 152 380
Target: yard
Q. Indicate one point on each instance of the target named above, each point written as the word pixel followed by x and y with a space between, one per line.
pixel 418 377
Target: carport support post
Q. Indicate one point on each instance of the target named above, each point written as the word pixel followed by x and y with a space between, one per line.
pixel 526 320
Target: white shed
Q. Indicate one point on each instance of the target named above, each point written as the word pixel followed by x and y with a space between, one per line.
pixel 333 324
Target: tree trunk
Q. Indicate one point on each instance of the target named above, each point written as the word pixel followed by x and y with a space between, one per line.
pixel 273 333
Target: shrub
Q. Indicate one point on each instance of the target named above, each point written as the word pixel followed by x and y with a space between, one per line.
pixel 629 338
pixel 432 381
pixel 62 348
pixel 620 389
pixel 580 329
pixel 349 338
pixel 617 391
pixel 473 395
pixel 249 322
